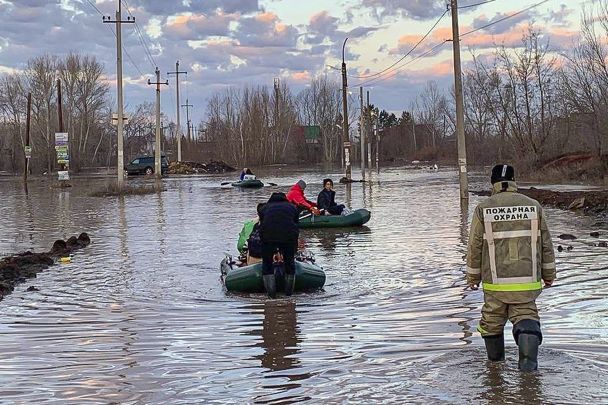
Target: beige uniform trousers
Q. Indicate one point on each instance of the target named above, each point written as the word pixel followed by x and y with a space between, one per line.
pixel 494 315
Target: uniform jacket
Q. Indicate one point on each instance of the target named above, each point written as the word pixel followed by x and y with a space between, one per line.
pixel 510 247
pixel 326 199
pixel 296 196
pixel 279 220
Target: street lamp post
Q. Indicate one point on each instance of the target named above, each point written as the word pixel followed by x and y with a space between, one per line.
pixel 345 136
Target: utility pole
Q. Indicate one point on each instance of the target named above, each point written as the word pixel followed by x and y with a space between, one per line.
pixel 462 149
pixel 362 132
pixel 188 116
pixel 414 135
pixel 378 143
pixel 179 135
pixel 345 135
pixel 120 124
pixel 26 166
pixel 157 150
pixel 62 166
pixel 368 128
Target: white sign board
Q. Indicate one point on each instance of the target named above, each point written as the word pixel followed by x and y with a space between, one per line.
pixel 64 175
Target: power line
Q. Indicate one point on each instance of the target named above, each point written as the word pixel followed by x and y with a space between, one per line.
pixel 504 18
pixel 476 4
pixel 379 79
pixel 94 6
pixel 141 38
pixel 388 76
pixel 407 54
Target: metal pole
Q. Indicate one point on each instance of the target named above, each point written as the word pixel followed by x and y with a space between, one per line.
pixel 378 143
pixel 345 135
pixel 462 150
pixel 26 166
pixel 362 132
pixel 369 124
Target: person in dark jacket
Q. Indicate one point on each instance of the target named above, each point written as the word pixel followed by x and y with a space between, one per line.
pixel 327 199
pixel 279 230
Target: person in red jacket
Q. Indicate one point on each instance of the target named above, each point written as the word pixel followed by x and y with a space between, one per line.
pixel 296 196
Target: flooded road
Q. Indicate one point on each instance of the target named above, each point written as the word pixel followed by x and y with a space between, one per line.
pixel 140 316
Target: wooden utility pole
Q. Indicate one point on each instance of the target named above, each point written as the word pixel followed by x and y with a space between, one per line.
pixel 62 166
pixel 345 135
pixel 157 149
pixel 462 150
pixel 362 132
pixel 178 131
pixel 26 166
pixel 120 164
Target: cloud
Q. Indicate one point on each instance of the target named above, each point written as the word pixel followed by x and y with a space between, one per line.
pixel 191 27
pixel 496 27
pixel 171 7
pixel 265 30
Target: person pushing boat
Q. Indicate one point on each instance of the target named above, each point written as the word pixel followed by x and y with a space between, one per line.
pixel 279 230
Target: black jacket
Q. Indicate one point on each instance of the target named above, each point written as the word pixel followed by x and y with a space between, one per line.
pixel 279 220
pixel 326 199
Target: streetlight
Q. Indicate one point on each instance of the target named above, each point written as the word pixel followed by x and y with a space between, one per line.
pixel 345 137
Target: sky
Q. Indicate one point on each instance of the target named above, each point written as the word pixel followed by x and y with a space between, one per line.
pixel 224 43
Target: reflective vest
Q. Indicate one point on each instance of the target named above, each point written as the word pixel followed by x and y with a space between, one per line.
pixel 510 247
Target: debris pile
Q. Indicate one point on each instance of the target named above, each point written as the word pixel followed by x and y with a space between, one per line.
pixel 18 268
pixel 211 167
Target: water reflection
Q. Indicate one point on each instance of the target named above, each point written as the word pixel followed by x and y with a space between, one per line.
pixel 280 335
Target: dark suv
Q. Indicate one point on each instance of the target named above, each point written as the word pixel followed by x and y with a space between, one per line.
pixel 145 165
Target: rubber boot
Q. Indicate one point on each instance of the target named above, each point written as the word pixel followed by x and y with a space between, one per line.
pixel 495 347
pixel 290 283
pixel 528 352
pixel 270 285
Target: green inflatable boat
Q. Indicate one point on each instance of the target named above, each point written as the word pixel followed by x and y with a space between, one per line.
pixel 355 218
pixel 248 279
pixel 252 183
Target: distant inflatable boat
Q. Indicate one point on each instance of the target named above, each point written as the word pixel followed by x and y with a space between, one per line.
pixel 253 183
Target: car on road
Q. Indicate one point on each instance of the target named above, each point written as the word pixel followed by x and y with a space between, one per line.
pixel 145 165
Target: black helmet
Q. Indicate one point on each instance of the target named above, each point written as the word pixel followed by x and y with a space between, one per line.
pixel 502 173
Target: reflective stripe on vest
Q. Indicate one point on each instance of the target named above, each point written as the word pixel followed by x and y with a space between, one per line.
pixel 513 287
pixel 504 214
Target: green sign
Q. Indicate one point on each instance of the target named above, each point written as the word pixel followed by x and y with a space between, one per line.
pixel 312 133
pixel 28 152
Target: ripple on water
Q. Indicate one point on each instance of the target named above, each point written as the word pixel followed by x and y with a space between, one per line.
pixel 140 316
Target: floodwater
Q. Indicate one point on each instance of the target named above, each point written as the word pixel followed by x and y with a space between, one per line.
pixel 140 316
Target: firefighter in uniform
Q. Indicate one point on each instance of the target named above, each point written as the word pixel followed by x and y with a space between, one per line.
pixel 509 253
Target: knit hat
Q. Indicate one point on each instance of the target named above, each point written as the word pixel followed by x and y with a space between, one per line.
pixel 502 173
pixel 302 184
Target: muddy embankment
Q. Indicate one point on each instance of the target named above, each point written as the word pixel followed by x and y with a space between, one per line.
pixel 211 167
pixel 22 266
pixel 589 202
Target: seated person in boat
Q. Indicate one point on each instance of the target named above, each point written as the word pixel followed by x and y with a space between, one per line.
pixel 246 174
pixel 326 200
pixel 296 196
pixel 250 239
pixel 280 231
